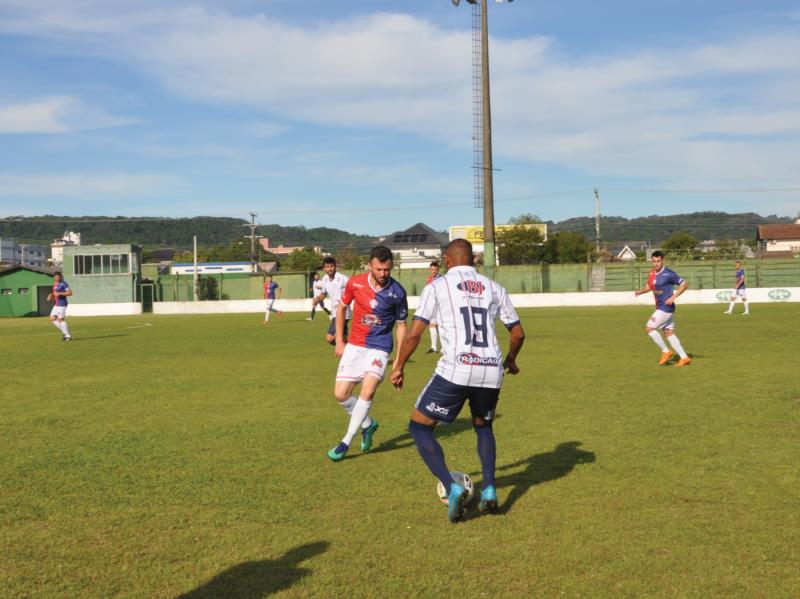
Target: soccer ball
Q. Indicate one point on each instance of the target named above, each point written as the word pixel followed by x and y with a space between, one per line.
pixel 459 478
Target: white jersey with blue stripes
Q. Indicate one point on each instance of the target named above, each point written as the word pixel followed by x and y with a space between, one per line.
pixel 466 305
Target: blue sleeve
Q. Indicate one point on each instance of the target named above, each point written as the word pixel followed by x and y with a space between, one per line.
pixel 401 312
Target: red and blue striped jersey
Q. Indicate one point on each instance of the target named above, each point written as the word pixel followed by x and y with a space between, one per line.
pixel 374 311
pixel 61 287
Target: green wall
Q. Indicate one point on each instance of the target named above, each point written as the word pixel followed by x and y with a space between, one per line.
pixel 232 286
pixel 103 288
pixel 21 304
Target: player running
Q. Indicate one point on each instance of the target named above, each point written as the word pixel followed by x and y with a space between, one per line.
pixel 661 282
pixel 333 284
pixel 272 292
pixel 739 291
pixel 466 305
pixel 58 314
pixel 378 303
pixel 432 329
pixel 317 297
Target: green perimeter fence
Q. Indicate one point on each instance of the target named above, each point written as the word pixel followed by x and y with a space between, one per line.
pixel 536 278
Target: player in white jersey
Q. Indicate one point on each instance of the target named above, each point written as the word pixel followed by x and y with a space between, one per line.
pixel 465 305
pixel 333 284
pixel 317 297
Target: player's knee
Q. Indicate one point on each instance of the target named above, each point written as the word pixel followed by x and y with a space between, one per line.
pixel 481 423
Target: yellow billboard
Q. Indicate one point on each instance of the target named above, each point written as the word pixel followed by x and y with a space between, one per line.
pixel 474 233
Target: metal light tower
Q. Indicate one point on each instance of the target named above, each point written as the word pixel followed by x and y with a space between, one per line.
pixel 482 125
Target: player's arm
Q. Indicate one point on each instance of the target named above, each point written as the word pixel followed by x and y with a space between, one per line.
pixel 405 347
pixel 681 288
pixel 516 339
pixel 400 335
pixel 341 315
pixel 66 293
pixel 645 289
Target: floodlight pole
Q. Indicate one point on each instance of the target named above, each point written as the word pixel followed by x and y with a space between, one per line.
pixel 196 294
pixel 597 219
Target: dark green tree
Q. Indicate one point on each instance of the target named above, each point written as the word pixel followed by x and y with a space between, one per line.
pixel 302 261
pixel 680 243
pixel 520 245
pixel 526 218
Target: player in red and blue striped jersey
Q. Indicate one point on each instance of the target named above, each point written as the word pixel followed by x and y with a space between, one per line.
pixel 379 302
pixel 58 314
pixel 662 282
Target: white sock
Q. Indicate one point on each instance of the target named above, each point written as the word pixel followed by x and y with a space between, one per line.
pixel 360 413
pixel 266 315
pixel 434 337
pixel 746 307
pixel 656 336
pixel 347 405
pixel 65 328
pixel 730 308
pixel 676 345
pixel 58 326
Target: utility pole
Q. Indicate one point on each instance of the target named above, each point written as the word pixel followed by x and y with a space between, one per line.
pixel 597 219
pixel 194 270
pixel 253 241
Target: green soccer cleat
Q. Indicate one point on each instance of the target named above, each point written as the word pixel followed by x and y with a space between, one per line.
pixel 337 453
pixel 366 435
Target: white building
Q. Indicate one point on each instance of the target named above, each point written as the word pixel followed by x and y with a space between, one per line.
pixel 57 247
pixel 779 239
pixel 415 247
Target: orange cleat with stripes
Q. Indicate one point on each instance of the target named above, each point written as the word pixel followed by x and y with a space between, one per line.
pixel 665 356
pixel 684 362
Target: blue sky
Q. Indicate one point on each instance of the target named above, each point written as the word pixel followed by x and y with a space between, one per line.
pixel 356 114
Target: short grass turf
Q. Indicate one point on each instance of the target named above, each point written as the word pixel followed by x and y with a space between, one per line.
pixel 184 456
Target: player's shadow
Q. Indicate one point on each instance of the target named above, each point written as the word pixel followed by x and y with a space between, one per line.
pixel 541 468
pixel 260 578
pixel 74 339
pixel 402 441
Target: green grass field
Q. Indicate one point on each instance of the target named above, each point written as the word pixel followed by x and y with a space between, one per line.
pixel 187 458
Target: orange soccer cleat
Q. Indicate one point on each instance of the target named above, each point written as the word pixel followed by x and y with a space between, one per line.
pixel 665 356
pixel 684 362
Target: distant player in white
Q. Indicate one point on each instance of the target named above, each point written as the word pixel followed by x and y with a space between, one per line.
pixel 58 314
pixel 739 291
pixel 317 297
pixel 465 305
pixel 333 284
pixel 434 269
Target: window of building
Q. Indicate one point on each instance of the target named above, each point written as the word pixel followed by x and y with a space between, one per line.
pixel 5 291
pixel 101 264
pixel 22 290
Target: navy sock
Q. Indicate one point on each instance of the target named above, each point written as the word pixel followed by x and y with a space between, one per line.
pixel 487 450
pixel 430 451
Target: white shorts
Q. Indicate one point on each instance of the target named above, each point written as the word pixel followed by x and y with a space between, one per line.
pixel 357 362
pixel 740 292
pixel 59 312
pixel 662 320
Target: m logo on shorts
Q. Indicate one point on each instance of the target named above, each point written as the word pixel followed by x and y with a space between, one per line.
pixel 471 287
pixel 377 363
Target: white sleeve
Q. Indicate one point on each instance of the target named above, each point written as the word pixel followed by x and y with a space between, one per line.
pixel 508 315
pixel 426 309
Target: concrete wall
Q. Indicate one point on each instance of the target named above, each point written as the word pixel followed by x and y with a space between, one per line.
pixel 115 309
pixel 102 288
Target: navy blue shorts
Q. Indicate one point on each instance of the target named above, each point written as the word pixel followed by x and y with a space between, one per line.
pixel 332 329
pixel 443 400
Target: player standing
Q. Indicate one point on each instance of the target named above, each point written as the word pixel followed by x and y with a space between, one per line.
pixel 739 291
pixel 272 292
pixel 466 305
pixel 333 284
pixel 317 297
pixel 432 329
pixel 58 314
pixel 378 303
pixel 661 282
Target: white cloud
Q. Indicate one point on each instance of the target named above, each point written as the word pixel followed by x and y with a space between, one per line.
pixel 77 185
pixel 58 114
pixel 700 113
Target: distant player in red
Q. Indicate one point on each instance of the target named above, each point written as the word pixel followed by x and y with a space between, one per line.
pixel 662 282
pixel 378 303
pixel 432 328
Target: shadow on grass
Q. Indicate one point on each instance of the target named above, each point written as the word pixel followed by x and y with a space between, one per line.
pixel 541 468
pixel 261 578
pixel 74 339
pixel 405 440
